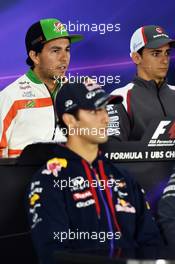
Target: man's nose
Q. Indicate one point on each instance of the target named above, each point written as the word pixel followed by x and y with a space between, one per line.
pixel 165 58
pixel 64 55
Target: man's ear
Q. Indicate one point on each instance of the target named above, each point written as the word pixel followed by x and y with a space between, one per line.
pixel 34 56
pixel 136 57
pixel 69 120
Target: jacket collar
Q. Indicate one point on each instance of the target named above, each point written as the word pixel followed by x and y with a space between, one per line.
pixel 149 84
pixel 65 152
pixel 32 76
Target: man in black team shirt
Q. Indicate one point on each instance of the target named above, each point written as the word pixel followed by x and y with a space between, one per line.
pixel 148 96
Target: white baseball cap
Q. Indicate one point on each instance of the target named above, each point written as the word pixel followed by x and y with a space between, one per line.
pixel 151 36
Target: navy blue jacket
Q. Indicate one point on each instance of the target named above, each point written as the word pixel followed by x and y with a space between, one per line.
pixel 74 205
pixel 166 212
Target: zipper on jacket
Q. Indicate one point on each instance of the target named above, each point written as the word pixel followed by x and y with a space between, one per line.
pixel 105 203
pixel 158 96
pixel 106 210
pixel 108 195
pixel 139 80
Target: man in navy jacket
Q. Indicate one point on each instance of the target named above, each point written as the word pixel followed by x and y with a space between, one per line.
pixel 79 200
pixel 166 212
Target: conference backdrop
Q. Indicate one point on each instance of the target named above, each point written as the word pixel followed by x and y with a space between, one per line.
pixel 107 27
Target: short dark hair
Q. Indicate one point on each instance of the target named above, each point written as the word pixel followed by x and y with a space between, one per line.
pixel 140 51
pixel 61 123
pixel 37 49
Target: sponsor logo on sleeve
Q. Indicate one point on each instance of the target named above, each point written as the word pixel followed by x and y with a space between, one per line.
pixel 54 166
pixel 124 206
pixel 34 202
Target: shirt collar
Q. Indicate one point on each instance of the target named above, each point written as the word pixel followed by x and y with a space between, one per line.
pixel 32 76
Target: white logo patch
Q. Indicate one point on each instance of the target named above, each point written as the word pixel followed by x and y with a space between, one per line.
pixel 91 94
pixel 68 103
pixel 85 204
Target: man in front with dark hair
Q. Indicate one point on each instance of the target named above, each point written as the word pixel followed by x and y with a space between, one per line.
pixel 148 96
pixel 27 110
pixel 79 200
